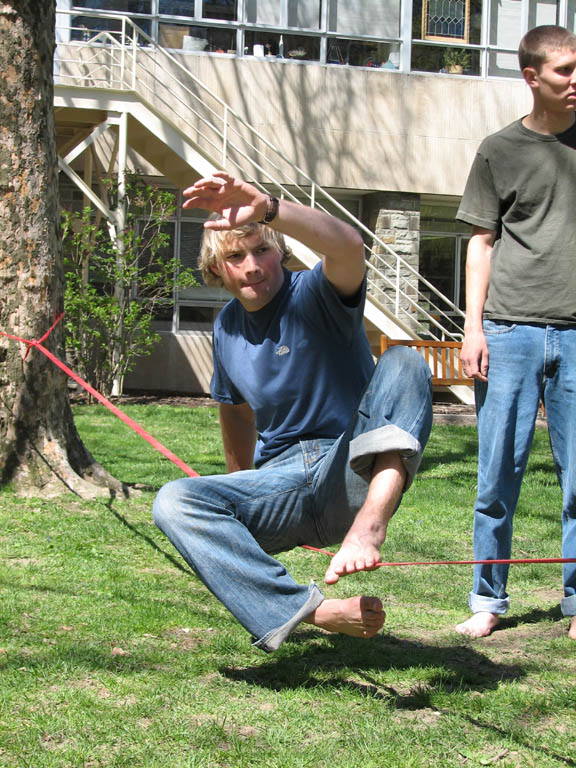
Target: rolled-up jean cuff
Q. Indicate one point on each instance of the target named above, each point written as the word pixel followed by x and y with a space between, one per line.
pixel 481 603
pixel 365 448
pixel 273 640
pixel 568 605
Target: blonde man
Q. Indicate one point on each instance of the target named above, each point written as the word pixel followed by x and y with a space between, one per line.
pixel 335 442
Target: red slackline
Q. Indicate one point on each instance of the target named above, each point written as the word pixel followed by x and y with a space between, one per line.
pixel 506 561
pixel 116 411
pixel 191 473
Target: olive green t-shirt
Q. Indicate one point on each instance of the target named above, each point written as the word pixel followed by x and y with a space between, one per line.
pixel 522 184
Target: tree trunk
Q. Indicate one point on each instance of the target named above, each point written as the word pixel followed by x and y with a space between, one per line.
pixel 40 450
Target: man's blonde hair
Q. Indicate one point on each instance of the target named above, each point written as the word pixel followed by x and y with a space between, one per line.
pixel 217 244
pixel 540 42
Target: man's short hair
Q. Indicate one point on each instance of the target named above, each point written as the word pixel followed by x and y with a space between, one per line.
pixel 217 244
pixel 540 42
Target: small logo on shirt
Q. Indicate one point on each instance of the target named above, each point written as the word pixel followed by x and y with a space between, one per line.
pixel 282 350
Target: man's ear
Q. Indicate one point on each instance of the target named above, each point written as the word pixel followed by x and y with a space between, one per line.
pixel 214 269
pixel 530 75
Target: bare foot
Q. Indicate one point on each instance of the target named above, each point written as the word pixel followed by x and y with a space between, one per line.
pixel 361 554
pixel 358 616
pixel 480 624
pixel 572 628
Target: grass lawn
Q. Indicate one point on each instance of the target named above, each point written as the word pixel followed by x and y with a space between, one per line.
pixel 113 654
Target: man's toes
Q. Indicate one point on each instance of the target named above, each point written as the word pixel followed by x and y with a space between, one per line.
pixel 372 604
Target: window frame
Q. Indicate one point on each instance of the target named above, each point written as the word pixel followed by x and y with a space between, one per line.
pixel 402 44
pixel 446 38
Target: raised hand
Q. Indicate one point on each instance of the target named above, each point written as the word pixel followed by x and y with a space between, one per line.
pixel 236 201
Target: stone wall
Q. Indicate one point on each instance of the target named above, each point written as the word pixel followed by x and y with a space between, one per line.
pixel 395 218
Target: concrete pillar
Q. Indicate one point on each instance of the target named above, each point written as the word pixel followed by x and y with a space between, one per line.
pixel 395 218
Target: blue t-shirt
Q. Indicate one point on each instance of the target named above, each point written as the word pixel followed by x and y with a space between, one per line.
pixel 301 362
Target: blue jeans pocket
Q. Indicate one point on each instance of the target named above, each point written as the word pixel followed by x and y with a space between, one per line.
pixel 497 327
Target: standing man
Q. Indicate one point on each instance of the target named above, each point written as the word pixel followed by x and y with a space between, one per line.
pixel 334 441
pixel 520 330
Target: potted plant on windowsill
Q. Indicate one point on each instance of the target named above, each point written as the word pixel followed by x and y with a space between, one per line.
pixel 456 60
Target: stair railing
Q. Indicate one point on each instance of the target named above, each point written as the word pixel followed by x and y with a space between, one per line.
pixel 122 57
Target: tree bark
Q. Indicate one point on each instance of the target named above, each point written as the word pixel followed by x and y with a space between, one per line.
pixel 40 449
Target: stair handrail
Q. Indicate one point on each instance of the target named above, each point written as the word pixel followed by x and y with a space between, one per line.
pixel 127 46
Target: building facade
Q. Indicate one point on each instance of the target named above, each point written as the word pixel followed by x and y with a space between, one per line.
pixel 381 102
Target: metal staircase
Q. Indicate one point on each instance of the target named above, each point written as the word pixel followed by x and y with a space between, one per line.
pixel 119 79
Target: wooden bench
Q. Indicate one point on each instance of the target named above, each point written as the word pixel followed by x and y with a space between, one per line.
pixel 442 357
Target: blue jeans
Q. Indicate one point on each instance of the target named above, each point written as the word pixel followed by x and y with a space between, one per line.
pixel 526 363
pixel 227 527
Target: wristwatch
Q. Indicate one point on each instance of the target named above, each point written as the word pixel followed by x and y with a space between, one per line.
pixel 271 210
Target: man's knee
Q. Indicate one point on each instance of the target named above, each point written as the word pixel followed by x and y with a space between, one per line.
pixel 405 361
pixel 168 503
pixel 403 377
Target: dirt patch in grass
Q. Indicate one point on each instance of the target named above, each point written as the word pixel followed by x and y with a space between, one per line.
pixel 86 684
pixel 53 743
pixel 420 718
pixel 188 639
pixel 515 638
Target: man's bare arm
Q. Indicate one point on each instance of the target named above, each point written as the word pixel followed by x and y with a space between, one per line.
pixel 340 245
pixel 240 203
pixel 238 436
pixel 474 355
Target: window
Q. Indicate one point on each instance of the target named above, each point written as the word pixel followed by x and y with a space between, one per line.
pixel 359 53
pixel 443 244
pixel 123 6
pixel 305 14
pixel 84 28
pixel 287 46
pixel 374 18
pixel 263 12
pixel 163 317
pixel 506 25
pixel 196 38
pixel 505 32
pixel 177 8
pixel 446 20
pixel 199 305
pixel 442 31
pixel 195 308
pixel 148 267
pixel 449 60
pixel 197 317
pixel 442 263
pixel 470 37
pixel 224 10
pixel 227 10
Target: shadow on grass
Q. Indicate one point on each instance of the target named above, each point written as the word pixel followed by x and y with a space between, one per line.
pixel 519 740
pixel 345 660
pixel 530 617
pixel 355 667
pixel 175 561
